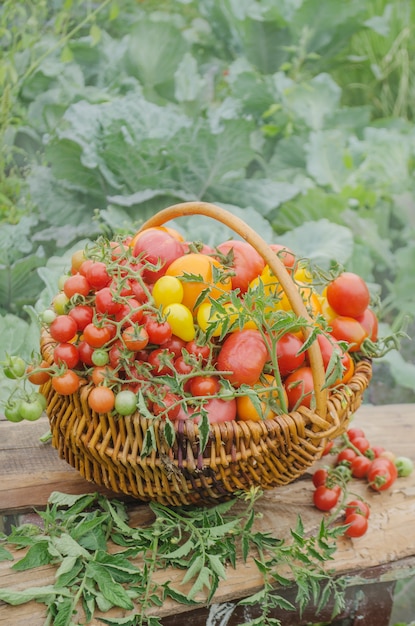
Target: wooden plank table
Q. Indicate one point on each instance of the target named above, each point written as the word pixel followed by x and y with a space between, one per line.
pixel 30 471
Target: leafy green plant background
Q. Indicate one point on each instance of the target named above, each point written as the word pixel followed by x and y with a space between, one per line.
pixel 297 115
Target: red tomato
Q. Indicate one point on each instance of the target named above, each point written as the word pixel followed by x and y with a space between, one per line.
pixel 106 301
pixel 357 506
pixel 82 314
pixel 158 332
pixel 382 474
pixel 320 477
pixel 160 361
pixel 76 285
pixel 354 432
pixel 361 443
pixel 67 383
pixel 244 260
pixel 348 295
pixel 289 359
pixel 360 466
pixel 286 255
pixel 85 352
pixel 358 525
pixel 97 275
pixel 159 249
pixel 130 312
pixel 175 345
pixel 204 385
pixel 199 351
pixel 346 455
pixel 300 388
pixel 350 330
pixel 63 328
pixel 169 406
pixel 243 355
pixel 369 321
pixel 135 338
pixel 96 336
pixel 66 353
pixel 325 498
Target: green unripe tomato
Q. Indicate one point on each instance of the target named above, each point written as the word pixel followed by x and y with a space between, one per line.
pixel 404 465
pixel 12 411
pixel 31 410
pixel 14 367
pixel 126 402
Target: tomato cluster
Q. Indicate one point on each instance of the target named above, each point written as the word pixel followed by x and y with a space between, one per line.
pixel 356 458
pixel 176 329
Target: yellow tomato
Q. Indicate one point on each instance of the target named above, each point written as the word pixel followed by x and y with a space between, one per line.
pixel 167 290
pixel 199 265
pixel 207 314
pixel 180 319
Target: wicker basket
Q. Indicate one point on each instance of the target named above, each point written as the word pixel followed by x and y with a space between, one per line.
pixel 105 448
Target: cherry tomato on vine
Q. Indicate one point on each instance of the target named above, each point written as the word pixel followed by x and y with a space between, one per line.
pixel 360 466
pixel 404 465
pixel 101 399
pixel 100 357
pixel 168 406
pixel 382 474
pixel 126 402
pixel 38 374
pixel 14 367
pixel 320 477
pixel 325 498
pixel 97 336
pixel 85 352
pixel 167 290
pixel 31 409
pixel 347 455
pixel 200 351
pixel 82 314
pixel 358 525
pixel 66 383
pixel 63 328
pixel 76 285
pixel 12 410
pixel 348 294
pixel 135 338
pixel 204 385
pixel 97 274
pixel 66 353
pixel 357 506
pixel 107 302
pixel 158 332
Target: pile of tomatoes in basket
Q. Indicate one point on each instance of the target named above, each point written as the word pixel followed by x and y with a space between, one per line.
pixel 177 329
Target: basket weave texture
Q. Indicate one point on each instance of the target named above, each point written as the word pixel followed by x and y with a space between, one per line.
pixel 106 448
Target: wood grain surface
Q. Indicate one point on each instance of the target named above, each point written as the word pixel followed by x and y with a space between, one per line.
pixel 30 471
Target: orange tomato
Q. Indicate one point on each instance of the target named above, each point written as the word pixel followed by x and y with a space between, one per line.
pixel 199 265
pixel 269 397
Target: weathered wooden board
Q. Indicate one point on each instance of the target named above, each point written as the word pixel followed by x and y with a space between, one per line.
pixel 30 471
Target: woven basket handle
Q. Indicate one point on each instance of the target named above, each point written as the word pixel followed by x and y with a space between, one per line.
pixel 274 262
